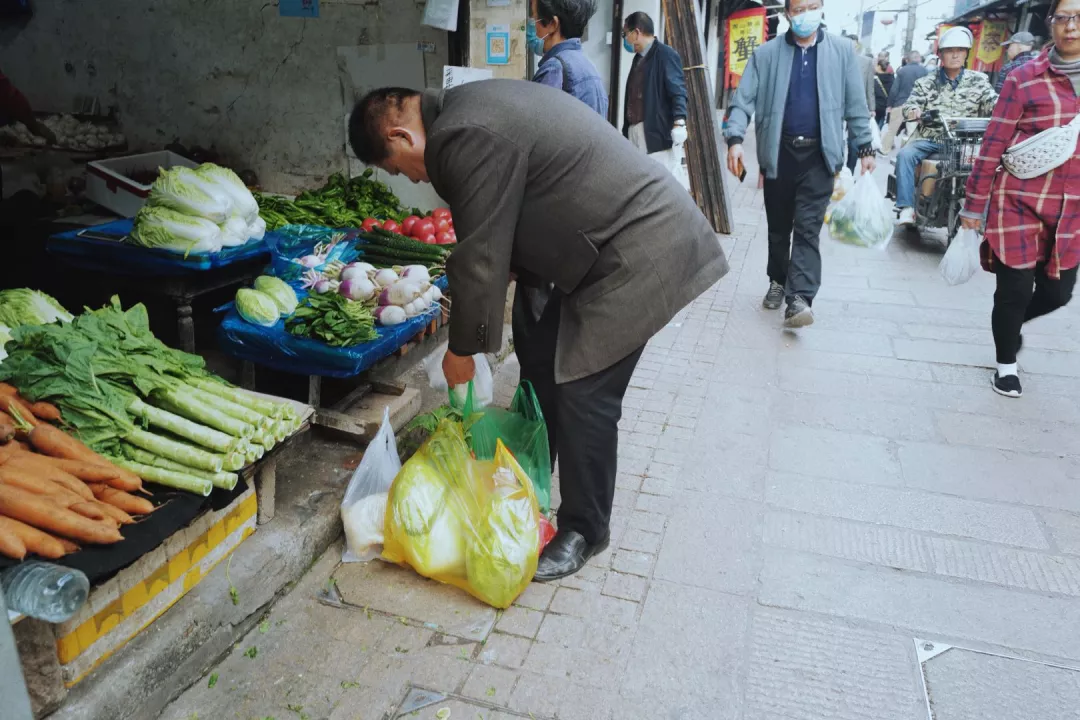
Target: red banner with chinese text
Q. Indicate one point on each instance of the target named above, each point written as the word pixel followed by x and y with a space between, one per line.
pixel 745 31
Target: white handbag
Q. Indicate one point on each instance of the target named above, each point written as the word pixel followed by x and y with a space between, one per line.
pixel 1041 153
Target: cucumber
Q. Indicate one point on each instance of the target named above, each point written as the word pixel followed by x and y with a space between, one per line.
pixel 400 254
pixel 389 261
pixel 400 242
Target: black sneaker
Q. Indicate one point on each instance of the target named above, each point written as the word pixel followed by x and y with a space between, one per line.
pixel 798 313
pixel 1009 386
pixel 774 298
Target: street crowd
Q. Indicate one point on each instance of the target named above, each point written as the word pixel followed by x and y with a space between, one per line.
pixel 606 246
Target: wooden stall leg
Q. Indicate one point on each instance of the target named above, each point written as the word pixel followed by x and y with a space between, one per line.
pixel 314 392
pixel 265 489
pixel 247 375
pixel 185 325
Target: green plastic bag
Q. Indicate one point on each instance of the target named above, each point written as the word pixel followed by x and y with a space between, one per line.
pixel 523 432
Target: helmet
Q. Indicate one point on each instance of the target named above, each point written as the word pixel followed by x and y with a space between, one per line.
pixel 955 37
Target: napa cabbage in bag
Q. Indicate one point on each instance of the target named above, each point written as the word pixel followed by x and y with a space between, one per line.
pixel 469 523
pixel 863 218
pixel 363 509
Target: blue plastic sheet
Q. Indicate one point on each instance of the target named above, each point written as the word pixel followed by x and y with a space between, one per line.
pixel 274 347
pixel 120 258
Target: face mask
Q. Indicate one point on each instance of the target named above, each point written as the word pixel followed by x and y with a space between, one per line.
pixel 627 46
pixel 534 43
pixel 807 23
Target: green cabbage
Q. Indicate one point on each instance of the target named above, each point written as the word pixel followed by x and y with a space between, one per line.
pixel 186 191
pixel 421 508
pixel 501 558
pixel 230 184
pixel 167 229
pixel 279 291
pixel 23 306
pixel 256 307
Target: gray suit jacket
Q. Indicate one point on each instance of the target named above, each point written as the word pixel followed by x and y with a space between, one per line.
pixel 762 94
pixel 867 67
pixel 541 184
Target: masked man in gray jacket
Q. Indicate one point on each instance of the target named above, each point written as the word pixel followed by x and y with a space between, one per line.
pixel 543 187
pixel 802 87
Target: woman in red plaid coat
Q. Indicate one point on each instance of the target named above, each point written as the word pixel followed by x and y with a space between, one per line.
pixel 1032 240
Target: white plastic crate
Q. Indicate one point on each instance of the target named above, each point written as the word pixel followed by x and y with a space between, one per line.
pixel 109 183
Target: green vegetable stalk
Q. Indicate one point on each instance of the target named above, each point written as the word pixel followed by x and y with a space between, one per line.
pixel 169 478
pixel 176 451
pixel 223 480
pixel 207 437
pixel 192 407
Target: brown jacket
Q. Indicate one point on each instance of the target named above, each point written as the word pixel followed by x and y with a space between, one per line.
pixel 541 184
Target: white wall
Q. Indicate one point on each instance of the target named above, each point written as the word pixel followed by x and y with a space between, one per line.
pixel 264 90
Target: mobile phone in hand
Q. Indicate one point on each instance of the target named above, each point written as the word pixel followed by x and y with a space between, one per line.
pixel 742 171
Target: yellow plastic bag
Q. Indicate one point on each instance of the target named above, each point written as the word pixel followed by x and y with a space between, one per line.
pixel 469 523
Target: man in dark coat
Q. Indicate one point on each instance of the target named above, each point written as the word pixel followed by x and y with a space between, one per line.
pixel 654 111
pixel 542 187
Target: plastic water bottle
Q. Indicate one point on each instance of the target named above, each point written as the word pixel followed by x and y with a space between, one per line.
pixel 44 591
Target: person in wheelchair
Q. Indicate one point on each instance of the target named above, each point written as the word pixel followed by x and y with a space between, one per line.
pixel 951 91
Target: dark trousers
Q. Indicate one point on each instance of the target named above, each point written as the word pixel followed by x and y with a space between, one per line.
pixel 852 155
pixel 1024 295
pixel 795 204
pixel 582 419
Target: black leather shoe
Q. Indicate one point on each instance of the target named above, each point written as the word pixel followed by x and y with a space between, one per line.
pixel 565 555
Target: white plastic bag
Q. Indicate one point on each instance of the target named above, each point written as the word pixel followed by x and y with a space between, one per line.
pixel 842 185
pixel 483 382
pixel 875 135
pixel 962 258
pixel 863 217
pixel 363 508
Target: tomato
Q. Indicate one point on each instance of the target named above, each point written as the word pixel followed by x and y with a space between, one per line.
pixel 440 213
pixel 453 237
pixel 392 226
pixel 370 223
pixel 428 240
pixel 547 532
pixel 441 226
pixel 408 223
pixel 424 228
pixel 442 238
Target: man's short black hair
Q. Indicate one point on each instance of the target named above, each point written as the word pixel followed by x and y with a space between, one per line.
pixel 640 21
pixel 369 118
pixel 573 15
pixel 787 5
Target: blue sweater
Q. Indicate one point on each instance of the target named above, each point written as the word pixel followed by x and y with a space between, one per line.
pixel 582 81
pixel 801 108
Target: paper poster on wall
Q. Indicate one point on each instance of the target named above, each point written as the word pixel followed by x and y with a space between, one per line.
pixel 454 75
pixel 298 8
pixel 498 44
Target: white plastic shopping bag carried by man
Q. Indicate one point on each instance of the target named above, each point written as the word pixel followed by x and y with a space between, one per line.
pixel 962 258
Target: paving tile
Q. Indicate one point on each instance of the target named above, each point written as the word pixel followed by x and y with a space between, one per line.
pixel 800 666
pixel 632 563
pixel 542 696
pixel 505 650
pixel 748 366
pixel 1064 529
pixel 892 421
pixel 648 521
pixel 537 596
pixel 640 541
pixel 711 542
pixel 490 684
pixel 859 364
pixel 879 545
pixel 734 408
pixel 732 464
pixel 1022 435
pixel 673 619
pixel 990 474
pixel 625 586
pixel 519 621
pixel 912 509
pixel 590 604
pixel 922 604
pixel 837 455
pixel 938 351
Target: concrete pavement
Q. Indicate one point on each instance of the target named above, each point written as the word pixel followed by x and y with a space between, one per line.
pixel 803 523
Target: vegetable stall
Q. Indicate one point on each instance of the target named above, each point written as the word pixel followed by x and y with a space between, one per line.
pixel 111 443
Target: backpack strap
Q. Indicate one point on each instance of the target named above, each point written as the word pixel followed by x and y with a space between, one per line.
pixel 566 86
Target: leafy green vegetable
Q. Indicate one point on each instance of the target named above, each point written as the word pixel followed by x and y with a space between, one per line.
pixel 23 306
pixel 167 229
pixel 333 319
pixel 279 291
pixel 230 185
pixel 256 307
pixel 341 203
pixel 504 549
pixel 251 652
pixel 213 681
pixel 182 189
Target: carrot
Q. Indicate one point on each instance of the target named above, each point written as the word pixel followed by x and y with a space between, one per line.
pixel 7 431
pixel 90 510
pixel 8 451
pixel 36 465
pixel 55 442
pixel 21 444
pixel 85 471
pixel 39 512
pixel 13 404
pixel 69 547
pixel 115 513
pixel 36 541
pixel 38 486
pixel 11 545
pixel 120 499
pixel 45 411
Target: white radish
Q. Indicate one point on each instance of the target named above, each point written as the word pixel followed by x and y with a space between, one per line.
pixel 357 288
pixel 310 261
pixel 401 293
pixel 357 270
pixel 390 315
pixel 385 278
pixel 416 272
pixel 414 308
